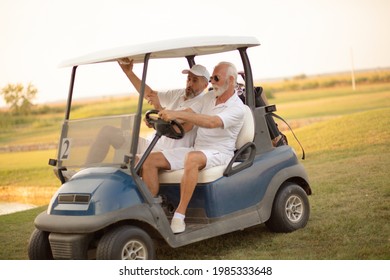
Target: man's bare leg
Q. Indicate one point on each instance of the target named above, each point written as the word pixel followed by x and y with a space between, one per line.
pixel 194 162
pixel 153 163
pixel 107 136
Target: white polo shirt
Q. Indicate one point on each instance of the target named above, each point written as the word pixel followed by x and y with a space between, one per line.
pixel 232 115
pixel 175 100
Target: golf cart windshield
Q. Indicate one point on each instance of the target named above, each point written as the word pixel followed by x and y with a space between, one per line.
pixel 102 141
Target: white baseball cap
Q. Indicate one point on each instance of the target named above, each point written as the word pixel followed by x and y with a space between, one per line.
pixel 198 70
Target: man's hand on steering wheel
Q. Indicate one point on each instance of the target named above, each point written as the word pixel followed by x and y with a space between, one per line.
pixel 172 129
pixel 148 124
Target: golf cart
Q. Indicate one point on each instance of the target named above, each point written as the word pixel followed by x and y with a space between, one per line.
pixel 105 211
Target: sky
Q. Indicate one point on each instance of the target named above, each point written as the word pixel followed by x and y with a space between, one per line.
pixel 297 37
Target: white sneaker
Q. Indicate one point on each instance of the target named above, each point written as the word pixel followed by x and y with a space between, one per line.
pixel 178 225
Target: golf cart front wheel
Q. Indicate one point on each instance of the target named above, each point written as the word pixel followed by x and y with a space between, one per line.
pixel 290 210
pixel 39 246
pixel 126 243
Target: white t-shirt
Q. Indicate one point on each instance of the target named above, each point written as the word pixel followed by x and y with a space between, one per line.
pixel 174 100
pixel 232 115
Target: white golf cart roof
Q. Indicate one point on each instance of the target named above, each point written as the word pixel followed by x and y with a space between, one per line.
pixel 166 49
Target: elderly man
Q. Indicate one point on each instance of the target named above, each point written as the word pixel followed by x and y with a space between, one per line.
pixel 219 117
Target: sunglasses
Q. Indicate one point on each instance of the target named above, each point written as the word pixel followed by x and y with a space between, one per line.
pixel 215 78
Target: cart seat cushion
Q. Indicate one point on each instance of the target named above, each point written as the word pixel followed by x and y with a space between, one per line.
pixel 205 175
pixel 247 132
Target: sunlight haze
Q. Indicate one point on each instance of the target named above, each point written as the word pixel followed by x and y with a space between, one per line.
pixel 296 36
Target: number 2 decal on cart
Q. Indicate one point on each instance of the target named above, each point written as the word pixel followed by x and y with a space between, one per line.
pixel 65 148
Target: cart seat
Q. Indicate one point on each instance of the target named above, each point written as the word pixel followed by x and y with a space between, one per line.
pixel 246 135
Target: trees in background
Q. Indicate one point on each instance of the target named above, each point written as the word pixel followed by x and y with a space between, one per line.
pixel 19 98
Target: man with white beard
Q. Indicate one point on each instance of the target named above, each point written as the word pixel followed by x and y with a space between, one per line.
pixel 219 118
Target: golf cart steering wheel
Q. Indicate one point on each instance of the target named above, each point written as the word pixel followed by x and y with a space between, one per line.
pixel 172 129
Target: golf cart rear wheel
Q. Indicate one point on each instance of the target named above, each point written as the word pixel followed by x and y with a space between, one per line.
pixel 39 246
pixel 126 243
pixel 290 210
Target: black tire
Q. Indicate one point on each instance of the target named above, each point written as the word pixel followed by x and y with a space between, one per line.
pixel 39 246
pixel 126 243
pixel 290 210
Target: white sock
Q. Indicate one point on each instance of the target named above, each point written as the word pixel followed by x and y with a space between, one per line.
pixel 179 216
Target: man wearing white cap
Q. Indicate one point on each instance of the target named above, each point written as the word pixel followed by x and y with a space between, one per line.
pixel 197 81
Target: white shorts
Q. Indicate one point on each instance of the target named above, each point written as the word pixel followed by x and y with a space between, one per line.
pixel 176 157
pixel 144 143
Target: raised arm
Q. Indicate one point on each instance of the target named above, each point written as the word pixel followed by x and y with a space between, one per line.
pixel 150 95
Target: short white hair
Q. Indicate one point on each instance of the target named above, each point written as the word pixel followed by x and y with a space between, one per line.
pixel 231 69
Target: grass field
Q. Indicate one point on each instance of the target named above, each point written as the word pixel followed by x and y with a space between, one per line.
pixel 345 134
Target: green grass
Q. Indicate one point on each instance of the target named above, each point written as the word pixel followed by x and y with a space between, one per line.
pixel 330 81
pixel 347 162
pixel 44 128
pixel 350 205
pixel 15 232
pixel 347 159
pixel 327 102
pixel 28 168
